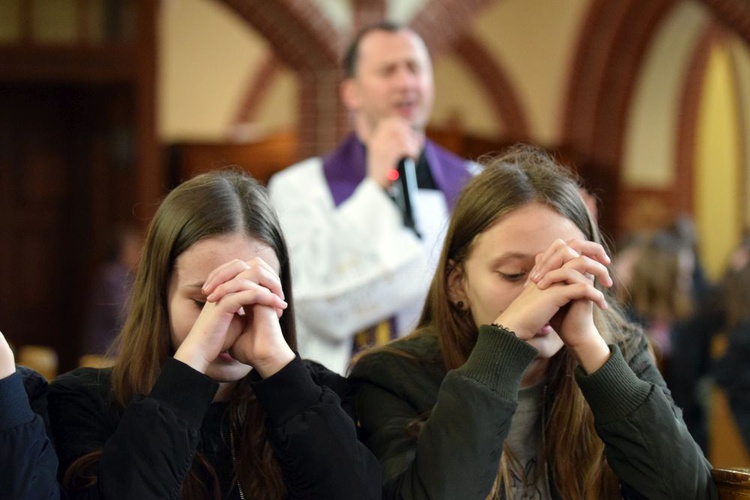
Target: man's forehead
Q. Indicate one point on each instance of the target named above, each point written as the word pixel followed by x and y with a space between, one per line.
pixel 376 47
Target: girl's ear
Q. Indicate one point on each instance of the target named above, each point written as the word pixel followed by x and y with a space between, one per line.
pixel 456 281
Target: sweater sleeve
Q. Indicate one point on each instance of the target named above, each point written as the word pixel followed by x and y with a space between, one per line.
pixel 646 442
pixel 147 449
pixel 457 451
pixel 313 438
pixel 28 461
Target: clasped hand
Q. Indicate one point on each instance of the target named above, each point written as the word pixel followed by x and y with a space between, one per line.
pixel 244 301
pixel 560 292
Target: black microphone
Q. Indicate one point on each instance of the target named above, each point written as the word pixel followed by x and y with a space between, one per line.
pixel 403 190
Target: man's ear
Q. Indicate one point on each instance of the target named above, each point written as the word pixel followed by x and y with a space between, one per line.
pixel 350 94
pixel 456 281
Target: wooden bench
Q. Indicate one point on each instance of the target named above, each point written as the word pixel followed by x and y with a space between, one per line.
pixel 733 484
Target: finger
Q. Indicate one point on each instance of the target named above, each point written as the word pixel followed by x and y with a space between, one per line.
pixel 256 270
pixel 256 295
pixel 582 269
pixel 591 249
pixel 561 252
pixel 581 291
pixel 554 257
pixel 257 275
pixel 223 273
pixel 271 280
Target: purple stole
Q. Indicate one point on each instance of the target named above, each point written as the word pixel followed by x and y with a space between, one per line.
pixel 344 168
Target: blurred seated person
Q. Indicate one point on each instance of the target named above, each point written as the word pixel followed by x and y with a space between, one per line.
pixel 659 290
pixel 660 279
pixel 683 227
pixel 109 299
pixel 732 370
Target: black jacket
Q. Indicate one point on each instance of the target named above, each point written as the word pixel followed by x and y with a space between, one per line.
pixel 148 447
pixel 28 463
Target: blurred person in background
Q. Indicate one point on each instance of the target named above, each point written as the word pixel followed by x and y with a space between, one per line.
pixel 660 290
pixel 732 370
pixel 110 293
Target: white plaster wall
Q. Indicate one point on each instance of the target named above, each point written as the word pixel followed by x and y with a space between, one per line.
pixel 459 94
pixel 535 41
pixel 207 58
pixel 651 134
pixel 278 111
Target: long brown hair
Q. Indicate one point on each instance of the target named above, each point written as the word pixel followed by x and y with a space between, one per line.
pixel 523 175
pixel 212 204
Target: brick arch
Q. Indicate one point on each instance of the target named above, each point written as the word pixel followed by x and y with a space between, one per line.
pixel 443 26
pixel 733 14
pixel 441 23
pixel 504 99
pixel 689 108
pixel 306 42
pixel 299 33
pixel 303 39
pixel 613 42
pixel 610 52
pixel 256 91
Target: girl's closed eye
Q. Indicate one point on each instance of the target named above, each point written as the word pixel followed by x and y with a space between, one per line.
pixel 199 303
pixel 513 276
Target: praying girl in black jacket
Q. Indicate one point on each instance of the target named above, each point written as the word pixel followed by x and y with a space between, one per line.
pixel 207 397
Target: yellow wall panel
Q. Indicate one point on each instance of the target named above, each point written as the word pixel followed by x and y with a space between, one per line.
pixel 718 164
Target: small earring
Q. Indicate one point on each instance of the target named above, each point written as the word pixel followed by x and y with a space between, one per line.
pixel 460 305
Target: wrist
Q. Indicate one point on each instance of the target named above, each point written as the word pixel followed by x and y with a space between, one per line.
pixel 503 329
pixel 6 370
pixel 272 364
pixel 591 355
pixel 191 357
pixel 515 328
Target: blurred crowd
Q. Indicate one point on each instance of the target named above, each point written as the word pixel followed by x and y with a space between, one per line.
pixel 699 329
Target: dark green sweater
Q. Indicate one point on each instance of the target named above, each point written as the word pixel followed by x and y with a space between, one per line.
pixel 457 452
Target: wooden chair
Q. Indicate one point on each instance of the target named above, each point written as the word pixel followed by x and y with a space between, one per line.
pixel 733 484
pixel 40 358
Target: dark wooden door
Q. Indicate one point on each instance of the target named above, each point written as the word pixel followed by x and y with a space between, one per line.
pixel 66 177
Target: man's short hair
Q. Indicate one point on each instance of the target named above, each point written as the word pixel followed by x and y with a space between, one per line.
pixel 351 56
